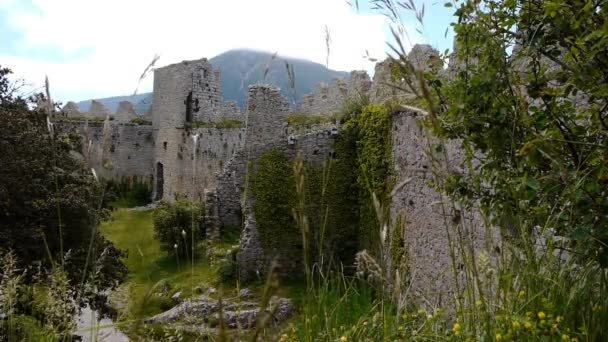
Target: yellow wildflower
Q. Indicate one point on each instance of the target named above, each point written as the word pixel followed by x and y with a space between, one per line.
pixel 456 327
pixel 498 337
pixel 522 293
pixel 343 339
pixel 559 319
pixel 541 315
pixel 565 337
pixel 574 339
pixel 478 303
pixel 528 325
pixel 515 324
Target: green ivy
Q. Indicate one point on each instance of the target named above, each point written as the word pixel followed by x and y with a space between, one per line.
pixel 273 189
pixel 338 195
pixel 372 133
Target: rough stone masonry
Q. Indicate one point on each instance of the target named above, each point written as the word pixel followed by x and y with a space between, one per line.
pixel 184 152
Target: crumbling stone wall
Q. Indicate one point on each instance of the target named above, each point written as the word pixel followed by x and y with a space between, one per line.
pixel 115 150
pixel 125 112
pixel 184 93
pixel 71 110
pixel 97 110
pixel 427 217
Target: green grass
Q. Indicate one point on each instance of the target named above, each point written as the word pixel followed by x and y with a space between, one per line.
pixel 133 231
pixel 227 123
pixel 303 119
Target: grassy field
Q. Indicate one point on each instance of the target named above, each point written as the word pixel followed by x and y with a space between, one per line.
pixel 150 269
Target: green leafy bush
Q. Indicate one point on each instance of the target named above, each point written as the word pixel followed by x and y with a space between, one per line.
pixel 227 270
pixel 178 226
pixel 129 192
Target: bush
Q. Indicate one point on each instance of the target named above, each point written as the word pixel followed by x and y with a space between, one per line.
pixel 227 270
pixel 129 192
pixel 174 224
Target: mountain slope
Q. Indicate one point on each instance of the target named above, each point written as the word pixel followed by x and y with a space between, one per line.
pixel 241 68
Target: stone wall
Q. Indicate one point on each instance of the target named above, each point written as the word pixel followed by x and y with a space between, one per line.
pixel 184 93
pixel 330 99
pixel 97 110
pixel 427 217
pixel 115 150
pixel 125 112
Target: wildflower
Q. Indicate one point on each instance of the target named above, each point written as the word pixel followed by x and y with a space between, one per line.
pixel 559 319
pixel 478 303
pixel 528 325
pixel 183 233
pixel 515 324
pixel 343 339
pixel 574 339
pixel 522 293
pixel 565 337
pixel 541 315
pixel 456 329
pixel 498 337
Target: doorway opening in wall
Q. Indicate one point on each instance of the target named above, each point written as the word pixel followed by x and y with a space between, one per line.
pixel 160 181
pixel 189 108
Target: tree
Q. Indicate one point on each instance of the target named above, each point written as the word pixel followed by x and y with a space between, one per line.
pixel 50 204
pixel 533 120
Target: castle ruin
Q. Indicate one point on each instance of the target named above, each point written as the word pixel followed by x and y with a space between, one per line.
pixel 189 150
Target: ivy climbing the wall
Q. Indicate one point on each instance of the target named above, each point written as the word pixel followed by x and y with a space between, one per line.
pixel 371 129
pixel 339 204
pixel 273 189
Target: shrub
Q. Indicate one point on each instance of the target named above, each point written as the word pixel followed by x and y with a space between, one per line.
pixel 178 224
pixel 141 121
pixel 129 192
pixel 227 270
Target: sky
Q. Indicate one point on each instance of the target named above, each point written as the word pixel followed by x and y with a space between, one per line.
pixel 99 48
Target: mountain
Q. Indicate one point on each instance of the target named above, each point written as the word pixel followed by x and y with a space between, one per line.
pixel 241 68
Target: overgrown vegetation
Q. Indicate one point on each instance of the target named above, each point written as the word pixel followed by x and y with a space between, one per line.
pixel 531 126
pixel 305 120
pixel 81 118
pixel 154 275
pixel 177 226
pixel 222 124
pixel 50 207
pixel 141 121
pixel 336 197
pixel 129 192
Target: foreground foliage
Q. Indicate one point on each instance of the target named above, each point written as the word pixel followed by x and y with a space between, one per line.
pixel 50 206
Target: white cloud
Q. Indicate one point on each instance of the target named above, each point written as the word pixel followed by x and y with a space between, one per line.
pixel 124 35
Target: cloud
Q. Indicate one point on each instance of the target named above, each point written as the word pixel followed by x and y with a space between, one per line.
pixel 120 37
